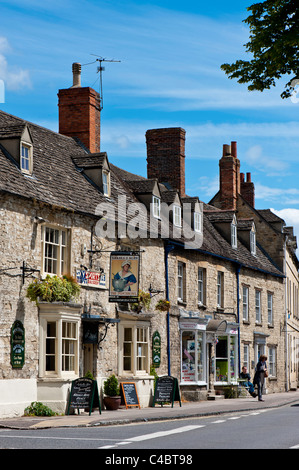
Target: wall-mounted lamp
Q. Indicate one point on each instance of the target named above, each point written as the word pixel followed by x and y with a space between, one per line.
pixel 39 220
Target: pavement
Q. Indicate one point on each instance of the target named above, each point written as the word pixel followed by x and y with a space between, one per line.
pixel 157 413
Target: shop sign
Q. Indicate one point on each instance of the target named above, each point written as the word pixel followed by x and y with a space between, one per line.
pixel 156 349
pixel 91 278
pixel 124 276
pixel 17 345
pixel 186 325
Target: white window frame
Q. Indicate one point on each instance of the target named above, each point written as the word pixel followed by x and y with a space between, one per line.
pixel 246 358
pixel 270 308
pixel 201 280
pixel 231 359
pixel 28 158
pixel 202 354
pixel 156 207
pixel 106 182
pixel 181 281
pixel 139 351
pixel 253 240
pixel 258 306
pixel 50 314
pixel 197 222
pixel 177 216
pixel 220 286
pixel 271 362
pixel 234 233
pixel 245 303
pixel 55 243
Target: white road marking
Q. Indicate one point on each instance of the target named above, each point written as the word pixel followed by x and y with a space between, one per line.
pixel 155 435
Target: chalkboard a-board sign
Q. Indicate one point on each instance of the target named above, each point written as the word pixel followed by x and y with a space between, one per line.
pixel 129 394
pixel 167 391
pixel 84 394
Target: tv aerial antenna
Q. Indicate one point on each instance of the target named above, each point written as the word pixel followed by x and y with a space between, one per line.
pixel 101 70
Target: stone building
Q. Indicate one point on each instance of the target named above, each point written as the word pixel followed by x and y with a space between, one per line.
pixel 274 314
pixel 67 210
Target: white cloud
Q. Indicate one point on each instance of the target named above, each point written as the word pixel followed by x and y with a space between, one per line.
pixel 291 218
pixel 282 195
pixel 271 166
pixel 15 78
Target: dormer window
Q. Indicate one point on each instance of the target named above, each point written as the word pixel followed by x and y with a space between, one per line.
pixel 234 232
pixel 106 182
pixel 177 216
pixel 253 240
pixel 26 158
pixel 197 221
pixel 156 204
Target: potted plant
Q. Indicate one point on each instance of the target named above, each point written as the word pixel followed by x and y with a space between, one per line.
pixel 53 289
pixel 112 397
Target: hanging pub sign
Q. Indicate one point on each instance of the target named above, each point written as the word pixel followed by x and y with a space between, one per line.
pixel 17 345
pixel 156 349
pixel 124 276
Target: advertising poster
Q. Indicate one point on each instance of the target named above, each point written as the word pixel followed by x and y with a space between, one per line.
pixel 124 277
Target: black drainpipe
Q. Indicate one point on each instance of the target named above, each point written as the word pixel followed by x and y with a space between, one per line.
pixel 167 249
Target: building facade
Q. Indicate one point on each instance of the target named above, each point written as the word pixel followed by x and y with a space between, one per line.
pixel 66 210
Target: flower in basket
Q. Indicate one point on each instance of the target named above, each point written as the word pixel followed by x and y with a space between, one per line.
pixel 162 305
pixel 144 300
pixel 53 289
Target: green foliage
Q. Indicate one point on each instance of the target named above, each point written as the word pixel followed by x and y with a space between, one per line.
pixel 162 305
pixel 274 45
pixel 111 387
pixel 53 289
pixel 38 409
pixel 154 373
pixel 144 300
pixel 89 375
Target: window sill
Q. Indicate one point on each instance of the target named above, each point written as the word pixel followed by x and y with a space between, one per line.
pixel 200 305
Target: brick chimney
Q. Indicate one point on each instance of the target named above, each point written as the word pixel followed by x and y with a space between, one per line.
pixel 80 112
pixel 229 177
pixel 166 156
pixel 247 189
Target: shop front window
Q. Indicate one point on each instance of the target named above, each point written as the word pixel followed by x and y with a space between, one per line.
pixel 193 369
pixel 226 359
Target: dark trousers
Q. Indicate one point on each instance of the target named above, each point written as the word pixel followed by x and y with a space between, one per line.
pixel 260 386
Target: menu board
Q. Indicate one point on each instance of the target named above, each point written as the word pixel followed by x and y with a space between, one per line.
pixel 167 390
pixel 84 394
pixel 129 393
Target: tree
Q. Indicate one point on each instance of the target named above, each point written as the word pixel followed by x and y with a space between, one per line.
pixel 274 45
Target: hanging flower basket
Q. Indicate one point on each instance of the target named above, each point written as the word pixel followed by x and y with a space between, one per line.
pixel 144 301
pixel 53 289
pixel 162 305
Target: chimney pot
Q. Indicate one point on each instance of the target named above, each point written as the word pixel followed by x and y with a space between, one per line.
pixel 76 69
pixel 248 177
pixel 226 150
pixel 234 149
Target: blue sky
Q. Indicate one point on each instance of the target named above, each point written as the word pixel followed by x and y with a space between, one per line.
pixel 169 74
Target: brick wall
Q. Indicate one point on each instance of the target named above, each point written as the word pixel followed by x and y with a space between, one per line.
pixel 79 115
pixel 166 156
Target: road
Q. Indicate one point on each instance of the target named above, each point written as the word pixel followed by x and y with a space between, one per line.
pixel 276 428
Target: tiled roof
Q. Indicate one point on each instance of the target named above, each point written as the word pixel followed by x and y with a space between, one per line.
pixel 58 180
